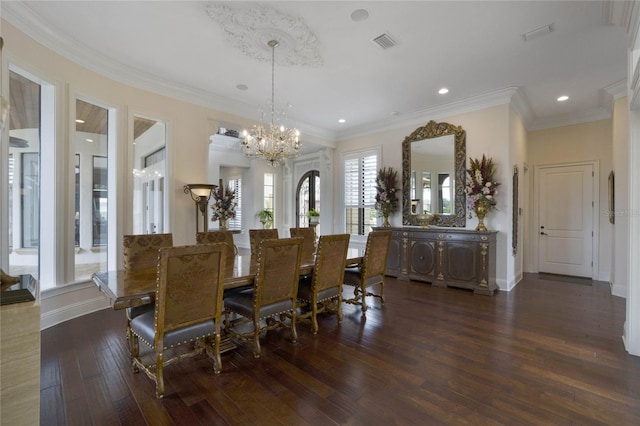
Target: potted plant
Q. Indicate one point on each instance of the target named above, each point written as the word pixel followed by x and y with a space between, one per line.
pixel 266 218
pixel 314 216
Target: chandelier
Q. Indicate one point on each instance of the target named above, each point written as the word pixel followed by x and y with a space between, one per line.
pixel 271 141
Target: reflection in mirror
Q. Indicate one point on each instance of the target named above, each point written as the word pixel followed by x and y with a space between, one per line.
pixel 149 172
pixel 436 151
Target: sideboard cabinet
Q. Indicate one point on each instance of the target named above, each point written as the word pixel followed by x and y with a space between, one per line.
pixel 444 257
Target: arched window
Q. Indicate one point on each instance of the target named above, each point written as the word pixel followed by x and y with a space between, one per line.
pixel 307 197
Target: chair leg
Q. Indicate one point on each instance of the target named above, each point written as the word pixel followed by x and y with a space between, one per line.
pixel 217 361
pixel 363 295
pixel 256 337
pixel 314 317
pixel 294 333
pixel 339 308
pixel 134 348
pixel 159 375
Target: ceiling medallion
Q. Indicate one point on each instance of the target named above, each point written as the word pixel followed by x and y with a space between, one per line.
pixel 251 28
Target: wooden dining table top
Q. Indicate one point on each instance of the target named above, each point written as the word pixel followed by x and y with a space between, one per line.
pixel 128 289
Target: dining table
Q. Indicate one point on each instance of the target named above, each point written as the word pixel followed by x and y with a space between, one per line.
pixel 128 289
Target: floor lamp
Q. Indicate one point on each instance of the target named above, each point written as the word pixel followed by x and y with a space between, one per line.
pixel 200 193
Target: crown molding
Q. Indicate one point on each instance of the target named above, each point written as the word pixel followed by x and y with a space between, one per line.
pixel 569 120
pixel 20 15
pixel 625 14
pixel 618 89
pixel 418 117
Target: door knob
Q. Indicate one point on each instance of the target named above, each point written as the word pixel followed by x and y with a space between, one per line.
pixel 543 233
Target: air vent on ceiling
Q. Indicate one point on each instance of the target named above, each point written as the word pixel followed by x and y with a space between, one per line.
pixel 538 32
pixel 385 41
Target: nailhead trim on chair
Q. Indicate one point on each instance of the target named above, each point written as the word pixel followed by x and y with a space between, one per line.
pixel 172 346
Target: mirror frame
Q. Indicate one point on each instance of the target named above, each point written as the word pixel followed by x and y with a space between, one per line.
pixel 430 131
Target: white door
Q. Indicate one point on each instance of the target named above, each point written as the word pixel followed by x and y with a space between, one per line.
pixel 566 220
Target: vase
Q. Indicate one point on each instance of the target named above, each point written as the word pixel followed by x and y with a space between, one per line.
pixel 481 208
pixel 223 223
pixel 386 220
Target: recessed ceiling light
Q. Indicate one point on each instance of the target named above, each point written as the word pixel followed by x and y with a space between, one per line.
pixel 242 87
pixel 359 15
pixel 563 98
pixel 79 121
pixel 89 140
pixel 342 120
pixel 443 91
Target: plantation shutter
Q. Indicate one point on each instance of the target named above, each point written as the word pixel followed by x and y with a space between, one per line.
pixel 236 185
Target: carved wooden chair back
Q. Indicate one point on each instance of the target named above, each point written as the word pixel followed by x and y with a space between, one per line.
pixel 190 285
pixel 371 271
pixel 255 237
pixel 323 293
pixel 309 243
pixel 273 295
pixel 221 237
pixel 141 251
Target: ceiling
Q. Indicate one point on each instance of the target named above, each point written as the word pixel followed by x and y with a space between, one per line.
pixel 329 68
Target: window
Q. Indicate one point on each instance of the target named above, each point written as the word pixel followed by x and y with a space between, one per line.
pixel 360 170
pixel 236 185
pixel 99 211
pixel 150 166
pixel 26 133
pixel 307 197
pixel 270 194
pixel 92 177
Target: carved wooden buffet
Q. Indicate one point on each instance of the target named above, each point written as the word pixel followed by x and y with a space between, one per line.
pixel 444 257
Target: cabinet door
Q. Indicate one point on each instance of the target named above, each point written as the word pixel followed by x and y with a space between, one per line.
pixel 422 260
pixel 394 260
pixel 461 262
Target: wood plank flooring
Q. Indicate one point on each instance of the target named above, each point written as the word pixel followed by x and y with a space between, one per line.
pixel 546 353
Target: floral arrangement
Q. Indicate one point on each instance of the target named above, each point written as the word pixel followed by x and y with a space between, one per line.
pixel 481 184
pixel 386 187
pixel 223 206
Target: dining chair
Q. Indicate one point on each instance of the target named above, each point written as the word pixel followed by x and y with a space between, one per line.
pixel 255 237
pixel 141 252
pixel 323 293
pixel 188 308
pixel 370 271
pixel 308 244
pixel 272 299
pixel 221 237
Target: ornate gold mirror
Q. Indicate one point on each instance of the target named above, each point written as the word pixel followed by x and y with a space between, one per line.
pixel 434 175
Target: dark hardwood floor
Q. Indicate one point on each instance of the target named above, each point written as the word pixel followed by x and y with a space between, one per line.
pixel 546 353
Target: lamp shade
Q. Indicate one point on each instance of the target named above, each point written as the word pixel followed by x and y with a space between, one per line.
pixel 199 190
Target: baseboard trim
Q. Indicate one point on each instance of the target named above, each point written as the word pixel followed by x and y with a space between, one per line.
pixel 65 313
pixel 618 290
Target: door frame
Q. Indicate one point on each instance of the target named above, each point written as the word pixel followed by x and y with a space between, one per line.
pixel 535 225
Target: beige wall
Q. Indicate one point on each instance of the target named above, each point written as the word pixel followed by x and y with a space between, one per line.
pixel 571 144
pixel 487 133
